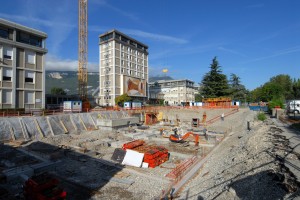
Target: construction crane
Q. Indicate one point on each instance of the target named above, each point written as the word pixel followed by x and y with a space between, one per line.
pixel 83 53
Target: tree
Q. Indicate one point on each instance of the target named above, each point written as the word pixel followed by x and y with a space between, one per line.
pixel 237 91
pixel 279 88
pixel 214 83
pixel 296 89
pixel 121 99
pixel 58 91
pixel 285 83
pixel 198 98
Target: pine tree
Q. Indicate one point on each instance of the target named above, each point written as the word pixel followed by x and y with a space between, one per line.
pixel 237 91
pixel 214 83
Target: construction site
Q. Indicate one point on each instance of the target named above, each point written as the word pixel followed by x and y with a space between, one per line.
pixel 162 153
pixel 212 149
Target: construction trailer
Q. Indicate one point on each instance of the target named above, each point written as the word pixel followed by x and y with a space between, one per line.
pixel 72 106
pixel 235 103
pixel 132 105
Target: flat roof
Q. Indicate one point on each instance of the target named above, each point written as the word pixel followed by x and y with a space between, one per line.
pixel 23 28
pixel 130 38
pixel 167 81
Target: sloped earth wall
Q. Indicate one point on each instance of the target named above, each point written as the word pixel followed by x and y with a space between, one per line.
pixel 35 128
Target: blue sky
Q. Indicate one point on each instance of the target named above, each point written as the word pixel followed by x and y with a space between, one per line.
pixel 255 39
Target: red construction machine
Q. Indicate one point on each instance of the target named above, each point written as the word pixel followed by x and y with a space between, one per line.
pixel 180 139
pixel 43 187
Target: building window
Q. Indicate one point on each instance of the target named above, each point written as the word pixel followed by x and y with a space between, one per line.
pixel 29 77
pixel 8 53
pixel 30 57
pixel 4 32
pixel 6 96
pixel 29 39
pixel 106 37
pixel 7 74
pixel 122 71
pixel 29 97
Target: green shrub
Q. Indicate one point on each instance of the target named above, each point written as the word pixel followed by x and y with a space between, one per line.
pixel 276 102
pixel 261 116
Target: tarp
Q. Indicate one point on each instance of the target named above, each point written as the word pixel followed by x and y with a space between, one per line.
pixel 133 158
pixel 118 155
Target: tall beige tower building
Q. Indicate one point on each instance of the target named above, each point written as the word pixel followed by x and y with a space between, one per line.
pixel 22 66
pixel 123 67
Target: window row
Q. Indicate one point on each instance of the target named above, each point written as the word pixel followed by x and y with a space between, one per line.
pixel 7 75
pixel 7 97
pixel 29 39
pixel 133 73
pixel 7 53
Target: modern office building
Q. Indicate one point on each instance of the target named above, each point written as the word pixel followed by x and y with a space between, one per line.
pixel 173 92
pixel 123 67
pixel 22 66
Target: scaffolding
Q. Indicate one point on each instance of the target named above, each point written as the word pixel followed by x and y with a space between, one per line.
pixel 220 102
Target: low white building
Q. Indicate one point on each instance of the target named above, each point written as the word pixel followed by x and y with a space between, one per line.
pixel 173 92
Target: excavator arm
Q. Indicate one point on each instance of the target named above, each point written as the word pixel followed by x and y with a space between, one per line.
pixel 176 138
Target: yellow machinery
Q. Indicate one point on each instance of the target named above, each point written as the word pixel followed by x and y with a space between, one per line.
pixel 83 53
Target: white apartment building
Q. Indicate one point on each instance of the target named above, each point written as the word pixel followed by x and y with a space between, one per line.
pixel 173 92
pixel 22 66
pixel 123 68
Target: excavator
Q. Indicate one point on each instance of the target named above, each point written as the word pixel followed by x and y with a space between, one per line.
pixel 180 139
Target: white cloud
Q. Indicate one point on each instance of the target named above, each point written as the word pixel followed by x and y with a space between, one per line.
pixel 33 21
pixel 55 63
pixel 155 36
pixel 277 54
pixel 117 10
pixel 143 34
pixel 231 51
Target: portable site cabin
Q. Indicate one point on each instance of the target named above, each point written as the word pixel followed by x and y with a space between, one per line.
pixel 132 105
pixel 198 103
pixel 235 103
pixel 136 105
pixel 195 103
pixel 127 105
pixel 72 106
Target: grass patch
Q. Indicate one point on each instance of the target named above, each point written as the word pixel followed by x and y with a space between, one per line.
pixel 261 116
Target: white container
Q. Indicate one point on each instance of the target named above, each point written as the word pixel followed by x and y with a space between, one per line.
pixel 136 105
pixel 127 105
pixel 72 106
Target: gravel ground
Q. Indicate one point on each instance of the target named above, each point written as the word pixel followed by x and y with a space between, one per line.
pixel 247 166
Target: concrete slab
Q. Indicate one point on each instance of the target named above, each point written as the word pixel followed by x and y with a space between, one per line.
pixel 106 124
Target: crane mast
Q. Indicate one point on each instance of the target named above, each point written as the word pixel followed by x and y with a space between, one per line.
pixel 82 50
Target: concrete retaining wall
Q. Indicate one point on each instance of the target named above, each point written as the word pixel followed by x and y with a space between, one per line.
pixel 35 128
